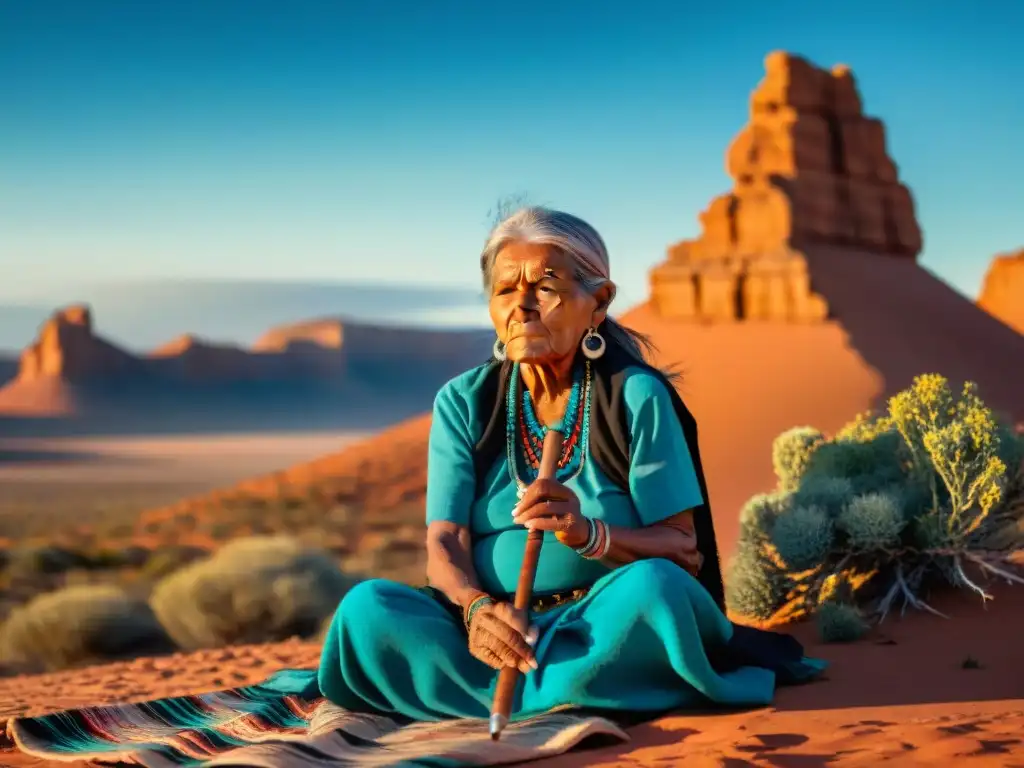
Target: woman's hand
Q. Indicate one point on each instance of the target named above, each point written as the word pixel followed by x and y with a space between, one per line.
pixel 690 558
pixel 548 505
pixel 500 636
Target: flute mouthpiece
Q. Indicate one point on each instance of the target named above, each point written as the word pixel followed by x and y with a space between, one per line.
pixel 498 723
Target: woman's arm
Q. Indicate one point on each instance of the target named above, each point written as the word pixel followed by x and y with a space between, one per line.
pixel 672 538
pixel 450 562
pixel 662 480
pixel 451 486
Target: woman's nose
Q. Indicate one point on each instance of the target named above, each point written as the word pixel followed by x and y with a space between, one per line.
pixel 526 302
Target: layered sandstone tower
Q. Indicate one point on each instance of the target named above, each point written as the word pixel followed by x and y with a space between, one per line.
pixel 809 169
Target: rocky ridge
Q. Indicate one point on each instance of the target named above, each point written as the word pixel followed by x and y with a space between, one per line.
pixel 68 348
pixel 809 169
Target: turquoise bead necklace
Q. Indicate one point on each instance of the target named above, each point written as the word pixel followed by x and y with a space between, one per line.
pixel 524 434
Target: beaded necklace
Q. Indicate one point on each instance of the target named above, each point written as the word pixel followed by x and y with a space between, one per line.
pixel 524 434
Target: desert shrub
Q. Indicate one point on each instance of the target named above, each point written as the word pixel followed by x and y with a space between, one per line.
pixel 755 585
pixel 926 492
pixel 803 537
pixel 109 559
pixel 839 622
pixel 28 562
pixel 865 464
pixel 758 515
pixel 79 625
pixel 252 590
pixel 829 494
pixel 166 560
pixel 791 454
pixel 871 522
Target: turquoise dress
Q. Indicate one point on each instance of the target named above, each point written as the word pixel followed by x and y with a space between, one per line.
pixel 637 641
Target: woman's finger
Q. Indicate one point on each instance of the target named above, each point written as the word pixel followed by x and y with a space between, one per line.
pixel 554 524
pixel 505 639
pixel 518 620
pixel 487 656
pixel 541 490
pixel 509 655
pixel 543 509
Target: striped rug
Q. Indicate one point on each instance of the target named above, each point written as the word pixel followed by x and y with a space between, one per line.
pixel 270 726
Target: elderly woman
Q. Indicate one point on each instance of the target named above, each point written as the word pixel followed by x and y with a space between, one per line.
pixel 628 611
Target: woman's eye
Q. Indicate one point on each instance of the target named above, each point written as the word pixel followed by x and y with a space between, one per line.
pixel 546 289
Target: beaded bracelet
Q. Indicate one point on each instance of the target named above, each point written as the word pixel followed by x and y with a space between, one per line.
pixel 475 605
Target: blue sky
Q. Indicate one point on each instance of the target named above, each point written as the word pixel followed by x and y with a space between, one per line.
pixel 367 140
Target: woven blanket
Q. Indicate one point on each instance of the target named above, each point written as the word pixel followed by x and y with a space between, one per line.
pixel 268 725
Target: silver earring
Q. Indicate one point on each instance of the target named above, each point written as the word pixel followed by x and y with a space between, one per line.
pixel 593 344
pixel 498 350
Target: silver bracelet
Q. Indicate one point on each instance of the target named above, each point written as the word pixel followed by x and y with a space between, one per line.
pixel 607 543
pixel 591 538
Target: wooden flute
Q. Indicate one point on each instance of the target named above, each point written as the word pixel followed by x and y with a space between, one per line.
pixel 508 677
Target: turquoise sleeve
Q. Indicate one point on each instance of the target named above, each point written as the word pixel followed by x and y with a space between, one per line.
pixel 662 478
pixel 451 475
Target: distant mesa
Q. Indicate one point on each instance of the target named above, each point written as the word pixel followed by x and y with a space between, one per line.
pixel 326 334
pixel 809 169
pixel 1002 293
pixel 329 364
pixel 186 344
pixel 67 348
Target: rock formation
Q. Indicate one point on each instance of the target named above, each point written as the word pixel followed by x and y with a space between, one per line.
pixel 1002 293
pixel 371 345
pixel 69 368
pixel 68 348
pixel 326 334
pixel 808 169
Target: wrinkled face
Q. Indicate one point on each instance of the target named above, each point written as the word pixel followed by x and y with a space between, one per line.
pixel 538 309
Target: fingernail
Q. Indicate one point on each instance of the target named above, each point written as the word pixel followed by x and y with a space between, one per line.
pixel 533 663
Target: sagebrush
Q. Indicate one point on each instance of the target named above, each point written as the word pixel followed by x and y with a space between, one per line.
pixel 929 492
pixel 257 589
pixel 80 625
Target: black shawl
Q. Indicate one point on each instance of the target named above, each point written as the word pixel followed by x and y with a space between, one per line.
pixel 609 442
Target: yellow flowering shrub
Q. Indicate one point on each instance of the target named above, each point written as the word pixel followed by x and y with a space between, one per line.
pixel 889 502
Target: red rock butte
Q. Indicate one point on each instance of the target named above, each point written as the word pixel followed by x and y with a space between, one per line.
pixel 1002 292
pixel 71 371
pixel 809 169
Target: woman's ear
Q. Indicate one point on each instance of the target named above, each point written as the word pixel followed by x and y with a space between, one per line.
pixel 603 296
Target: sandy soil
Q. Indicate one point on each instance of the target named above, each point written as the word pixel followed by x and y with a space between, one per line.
pixel 97 481
pixel 208 459
pixel 901 696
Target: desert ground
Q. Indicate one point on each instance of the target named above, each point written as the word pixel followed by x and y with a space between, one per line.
pixel 918 691
pixel 99 478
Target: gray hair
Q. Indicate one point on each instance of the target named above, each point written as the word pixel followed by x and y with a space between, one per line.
pixel 575 237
